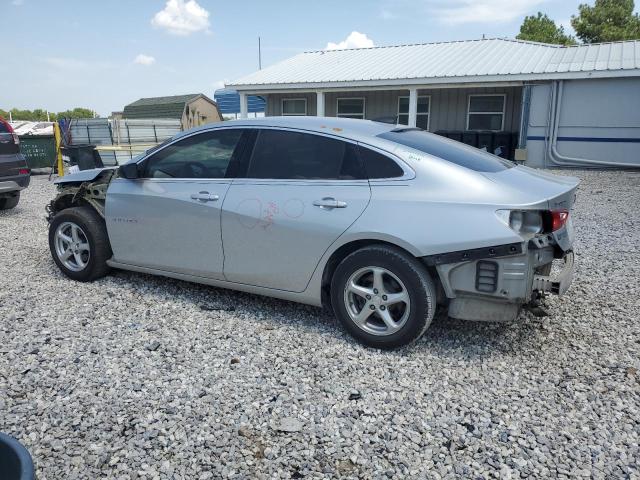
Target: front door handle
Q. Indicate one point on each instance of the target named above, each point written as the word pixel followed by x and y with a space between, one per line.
pixel 204 197
pixel 329 203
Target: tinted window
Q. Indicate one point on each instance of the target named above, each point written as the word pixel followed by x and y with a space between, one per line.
pixel 3 127
pixel 206 155
pixel 294 106
pixel 379 166
pixel 449 150
pixel 302 156
pixel 350 108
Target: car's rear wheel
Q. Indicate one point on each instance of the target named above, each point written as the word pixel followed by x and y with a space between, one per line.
pixel 79 243
pixel 8 203
pixel 383 296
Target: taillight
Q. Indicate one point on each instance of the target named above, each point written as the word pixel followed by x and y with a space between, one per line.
pixel 24 171
pixel 524 222
pixel 558 219
pixel 9 128
pixel 531 222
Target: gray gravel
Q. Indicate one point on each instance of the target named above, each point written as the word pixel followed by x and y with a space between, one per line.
pixel 141 377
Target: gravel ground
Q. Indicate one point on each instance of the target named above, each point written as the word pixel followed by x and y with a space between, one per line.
pixel 140 377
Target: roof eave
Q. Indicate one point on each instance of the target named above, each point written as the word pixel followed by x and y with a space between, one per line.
pixel 434 81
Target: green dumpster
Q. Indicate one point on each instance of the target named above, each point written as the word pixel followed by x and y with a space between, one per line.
pixel 40 150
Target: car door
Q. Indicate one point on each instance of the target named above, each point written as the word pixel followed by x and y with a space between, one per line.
pixel 169 218
pixel 301 192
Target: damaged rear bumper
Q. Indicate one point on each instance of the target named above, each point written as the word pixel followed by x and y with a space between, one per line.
pixel 557 284
pixel 492 284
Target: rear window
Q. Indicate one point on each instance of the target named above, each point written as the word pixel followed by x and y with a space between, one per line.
pixel 449 150
pixel 3 127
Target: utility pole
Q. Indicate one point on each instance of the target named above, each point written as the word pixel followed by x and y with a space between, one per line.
pixel 259 55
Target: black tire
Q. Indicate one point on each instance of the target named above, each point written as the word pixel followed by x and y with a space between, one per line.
pixel 7 203
pixel 417 282
pixel 95 230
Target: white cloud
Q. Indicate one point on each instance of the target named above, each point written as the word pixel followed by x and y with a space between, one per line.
pixel 145 60
pixel 455 12
pixel 354 40
pixel 220 84
pixel 182 18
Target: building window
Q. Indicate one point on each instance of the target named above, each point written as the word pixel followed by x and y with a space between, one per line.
pixel 350 108
pixel 422 118
pixel 486 112
pixel 294 106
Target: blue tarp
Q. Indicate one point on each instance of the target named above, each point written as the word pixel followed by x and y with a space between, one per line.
pixel 228 101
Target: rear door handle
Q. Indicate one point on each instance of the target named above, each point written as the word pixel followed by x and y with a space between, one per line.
pixel 329 203
pixel 204 197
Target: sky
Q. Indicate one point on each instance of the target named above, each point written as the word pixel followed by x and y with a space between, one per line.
pixel 103 55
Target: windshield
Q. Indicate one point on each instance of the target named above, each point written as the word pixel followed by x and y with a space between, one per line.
pixel 449 150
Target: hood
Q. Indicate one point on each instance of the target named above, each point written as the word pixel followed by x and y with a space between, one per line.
pixel 83 175
pixel 537 188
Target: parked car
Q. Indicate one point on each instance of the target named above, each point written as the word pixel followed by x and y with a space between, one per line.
pixel 14 172
pixel 380 224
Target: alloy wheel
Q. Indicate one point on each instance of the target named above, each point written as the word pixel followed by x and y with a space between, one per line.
pixel 72 246
pixel 377 301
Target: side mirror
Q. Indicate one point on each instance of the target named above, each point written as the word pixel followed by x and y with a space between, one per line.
pixel 129 171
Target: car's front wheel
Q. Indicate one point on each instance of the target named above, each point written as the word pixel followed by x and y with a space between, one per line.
pixel 79 243
pixel 8 203
pixel 383 296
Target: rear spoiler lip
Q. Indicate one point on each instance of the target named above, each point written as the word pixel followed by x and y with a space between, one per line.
pixel 565 200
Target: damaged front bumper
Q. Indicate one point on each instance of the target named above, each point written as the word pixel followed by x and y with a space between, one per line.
pixel 494 283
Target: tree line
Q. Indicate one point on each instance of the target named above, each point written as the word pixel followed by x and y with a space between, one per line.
pixel 605 21
pixel 40 115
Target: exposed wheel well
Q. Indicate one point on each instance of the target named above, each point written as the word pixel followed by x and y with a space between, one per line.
pixel 348 248
pixel 67 201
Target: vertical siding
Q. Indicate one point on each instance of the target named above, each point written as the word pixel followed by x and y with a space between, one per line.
pixel 592 113
pixel 448 107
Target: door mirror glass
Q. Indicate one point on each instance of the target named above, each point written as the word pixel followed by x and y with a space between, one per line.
pixel 128 170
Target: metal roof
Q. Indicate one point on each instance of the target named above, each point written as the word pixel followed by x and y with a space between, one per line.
pixel 161 107
pixel 487 60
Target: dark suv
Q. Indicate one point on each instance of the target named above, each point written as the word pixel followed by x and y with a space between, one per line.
pixel 14 172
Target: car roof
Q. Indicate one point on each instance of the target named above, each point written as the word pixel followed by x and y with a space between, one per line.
pixel 354 129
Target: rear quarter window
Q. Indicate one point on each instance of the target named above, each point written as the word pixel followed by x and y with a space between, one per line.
pixel 379 166
pixel 449 150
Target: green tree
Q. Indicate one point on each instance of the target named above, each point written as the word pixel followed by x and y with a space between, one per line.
pixel 77 113
pixel 40 115
pixel 540 28
pixel 607 21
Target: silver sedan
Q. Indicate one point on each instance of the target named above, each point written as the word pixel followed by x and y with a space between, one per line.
pixel 383 225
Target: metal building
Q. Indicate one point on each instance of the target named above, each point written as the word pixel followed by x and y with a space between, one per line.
pixel 548 105
pixel 228 101
pixel 191 110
